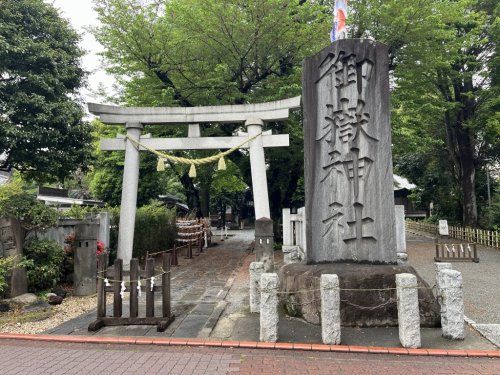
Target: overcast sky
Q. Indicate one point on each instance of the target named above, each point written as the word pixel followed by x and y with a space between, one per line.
pixel 81 15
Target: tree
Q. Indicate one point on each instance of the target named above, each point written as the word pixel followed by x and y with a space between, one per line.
pixel 228 189
pixel 211 52
pixel 106 175
pixel 26 212
pixel 443 55
pixel 41 130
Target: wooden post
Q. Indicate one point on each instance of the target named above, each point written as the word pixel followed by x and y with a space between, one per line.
pixel 437 249
pixel 165 288
pixel 150 294
pixel 118 277
pixel 175 261
pixel 476 259
pixel 134 276
pixel 101 288
pixel 190 250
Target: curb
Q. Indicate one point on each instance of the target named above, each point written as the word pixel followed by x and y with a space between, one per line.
pixel 167 341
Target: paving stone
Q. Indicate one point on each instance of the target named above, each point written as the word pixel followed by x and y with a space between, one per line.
pixel 190 326
pixel 203 309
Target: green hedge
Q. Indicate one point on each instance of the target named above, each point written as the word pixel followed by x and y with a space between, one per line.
pixel 154 229
pixel 43 260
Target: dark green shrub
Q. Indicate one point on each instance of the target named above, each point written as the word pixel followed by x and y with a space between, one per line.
pixel 154 229
pixel 43 259
pixel 6 264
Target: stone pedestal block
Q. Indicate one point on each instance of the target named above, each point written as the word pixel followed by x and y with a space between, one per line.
pixel 264 243
pixel 408 312
pixel 330 309
pixel 269 307
pixel 452 304
pixel 295 278
pixel 439 266
pixel 290 254
pixel 347 154
pixel 256 271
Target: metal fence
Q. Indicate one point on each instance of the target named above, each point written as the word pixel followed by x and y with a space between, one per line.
pixel 480 236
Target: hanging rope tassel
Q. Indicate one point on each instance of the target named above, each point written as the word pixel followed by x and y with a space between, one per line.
pixel 222 164
pixel 192 171
pixel 160 167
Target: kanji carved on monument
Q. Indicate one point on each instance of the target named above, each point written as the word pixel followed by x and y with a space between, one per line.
pixel 348 159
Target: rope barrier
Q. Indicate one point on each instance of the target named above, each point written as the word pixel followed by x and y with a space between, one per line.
pixel 109 281
pixel 193 162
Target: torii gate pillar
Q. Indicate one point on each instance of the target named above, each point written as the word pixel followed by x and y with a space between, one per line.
pixel 258 167
pixel 129 195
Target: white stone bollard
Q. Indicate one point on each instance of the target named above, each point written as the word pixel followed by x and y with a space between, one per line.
pixel 269 307
pixel 452 304
pixel 330 309
pixel 408 313
pixel 438 266
pixel 256 271
pixel 402 256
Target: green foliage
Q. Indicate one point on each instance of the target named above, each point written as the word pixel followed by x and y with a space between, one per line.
pixel 154 229
pixel 43 259
pixel 6 264
pixel 444 64
pixel 77 211
pixel 18 203
pixel 204 52
pixel 227 188
pixel 200 52
pixel 41 130
pixel 105 179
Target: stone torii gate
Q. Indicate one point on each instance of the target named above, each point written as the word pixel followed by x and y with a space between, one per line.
pixel 134 119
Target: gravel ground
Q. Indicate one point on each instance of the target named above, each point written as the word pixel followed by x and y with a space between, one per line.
pixel 481 280
pixel 69 309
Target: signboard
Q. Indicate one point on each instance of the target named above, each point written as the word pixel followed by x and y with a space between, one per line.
pixel 443 228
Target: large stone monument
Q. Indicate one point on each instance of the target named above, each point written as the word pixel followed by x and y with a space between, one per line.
pixel 347 148
pixel 349 201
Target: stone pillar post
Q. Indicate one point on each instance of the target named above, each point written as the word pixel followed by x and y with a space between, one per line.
pixel 256 271
pixel 438 266
pixel 452 304
pixel 408 314
pixel 330 309
pixel 85 258
pixel 269 307
pixel 287 228
pixel 264 243
pixel 129 196
pixel 258 166
pixel 104 228
pixel 402 256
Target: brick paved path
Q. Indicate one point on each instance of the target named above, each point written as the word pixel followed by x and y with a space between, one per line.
pixel 31 357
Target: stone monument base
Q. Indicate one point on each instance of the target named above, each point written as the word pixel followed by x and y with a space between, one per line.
pixel 374 308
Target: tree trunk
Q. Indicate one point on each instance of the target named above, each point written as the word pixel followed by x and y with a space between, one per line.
pixel 467 176
pixel 205 200
pixel 18 280
pixel 460 143
pixel 192 194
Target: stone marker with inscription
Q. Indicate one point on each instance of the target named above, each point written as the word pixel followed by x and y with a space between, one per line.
pixel 347 148
pixel 349 197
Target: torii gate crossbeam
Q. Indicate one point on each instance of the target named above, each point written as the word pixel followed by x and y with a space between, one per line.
pixel 134 119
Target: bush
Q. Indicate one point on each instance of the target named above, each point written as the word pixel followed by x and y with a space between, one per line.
pixel 154 229
pixel 43 259
pixel 6 264
pixel 80 212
